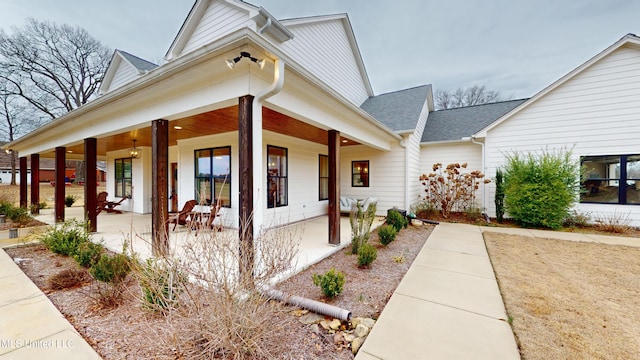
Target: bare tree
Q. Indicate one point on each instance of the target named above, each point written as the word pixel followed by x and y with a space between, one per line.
pixel 474 95
pixel 54 68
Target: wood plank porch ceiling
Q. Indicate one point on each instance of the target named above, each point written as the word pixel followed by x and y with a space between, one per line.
pixel 209 123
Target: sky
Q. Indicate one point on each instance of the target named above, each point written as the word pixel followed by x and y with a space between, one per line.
pixel 515 47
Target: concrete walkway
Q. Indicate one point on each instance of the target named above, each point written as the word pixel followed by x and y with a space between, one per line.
pixel 448 305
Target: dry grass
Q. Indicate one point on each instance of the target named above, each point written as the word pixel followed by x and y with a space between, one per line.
pixel 569 300
pixel 12 193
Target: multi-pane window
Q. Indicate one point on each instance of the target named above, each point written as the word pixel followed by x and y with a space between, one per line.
pixel 213 176
pixel 323 177
pixel 360 173
pixel 123 177
pixel 611 179
pixel 277 176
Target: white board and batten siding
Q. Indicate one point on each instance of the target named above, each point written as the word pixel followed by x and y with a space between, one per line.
pixel 303 177
pixel 596 112
pixel 323 48
pixel 218 20
pixel 386 175
pixel 451 153
pixel 414 161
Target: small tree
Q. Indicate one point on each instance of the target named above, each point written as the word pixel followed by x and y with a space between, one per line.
pixel 448 188
pixel 499 198
pixel 361 220
pixel 540 189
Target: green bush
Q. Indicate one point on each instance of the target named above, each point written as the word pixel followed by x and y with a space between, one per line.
pixel 161 285
pixel 387 234
pixel 499 197
pixel 367 254
pixel 361 221
pixel 69 200
pixel 88 253
pixel 111 268
pixel 395 219
pixel 541 189
pixel 15 213
pixel 330 283
pixel 66 237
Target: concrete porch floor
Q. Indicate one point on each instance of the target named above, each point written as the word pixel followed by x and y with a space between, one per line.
pixel 113 229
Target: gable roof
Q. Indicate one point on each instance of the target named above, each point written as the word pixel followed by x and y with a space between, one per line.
pixel 627 40
pixel 141 64
pixel 399 110
pixel 119 62
pixel 455 124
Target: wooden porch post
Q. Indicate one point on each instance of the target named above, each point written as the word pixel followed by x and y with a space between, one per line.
pixel 90 191
pixel 334 187
pixel 23 182
pixel 61 153
pixel 35 183
pixel 245 161
pixel 159 186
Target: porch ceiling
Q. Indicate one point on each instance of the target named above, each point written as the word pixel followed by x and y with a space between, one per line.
pixel 208 123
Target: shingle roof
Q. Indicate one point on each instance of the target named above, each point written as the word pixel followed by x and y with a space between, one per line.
pixel 455 124
pixel 140 64
pixel 399 110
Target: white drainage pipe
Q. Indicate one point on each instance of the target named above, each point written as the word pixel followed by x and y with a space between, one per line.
pixel 315 306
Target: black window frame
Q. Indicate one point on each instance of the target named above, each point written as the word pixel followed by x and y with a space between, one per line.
pixel 212 178
pixel 323 179
pixel 360 174
pixel 275 179
pixel 591 185
pixel 121 190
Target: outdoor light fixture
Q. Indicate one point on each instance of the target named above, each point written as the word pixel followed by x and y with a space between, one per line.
pixel 232 63
pixel 134 152
pixel 8 151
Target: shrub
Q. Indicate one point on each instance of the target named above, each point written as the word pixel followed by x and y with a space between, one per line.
pixel 88 253
pixel 499 197
pixel 395 219
pixel 448 188
pixel 111 268
pixel 330 283
pixel 361 221
pixel 612 222
pixel 161 283
pixel 68 278
pixel 367 254
pixel 15 213
pixel 387 234
pixel 540 189
pixel 576 219
pixel 69 200
pixel 66 237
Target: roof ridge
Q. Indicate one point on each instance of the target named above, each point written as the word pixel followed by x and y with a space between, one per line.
pixel 407 89
pixel 477 105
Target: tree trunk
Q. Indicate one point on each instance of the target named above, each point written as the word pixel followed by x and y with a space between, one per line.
pixel 14 156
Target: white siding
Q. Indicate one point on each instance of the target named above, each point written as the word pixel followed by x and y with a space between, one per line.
pixel 324 49
pixel 123 75
pixel 460 152
pixel 597 112
pixel 415 168
pixel 386 175
pixel 218 20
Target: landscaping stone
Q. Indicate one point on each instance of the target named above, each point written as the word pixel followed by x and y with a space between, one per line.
pixel 355 345
pixel 361 331
pixel 335 324
pixel 311 318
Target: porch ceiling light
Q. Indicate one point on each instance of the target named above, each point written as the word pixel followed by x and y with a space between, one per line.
pixel 232 63
pixel 8 151
pixel 134 152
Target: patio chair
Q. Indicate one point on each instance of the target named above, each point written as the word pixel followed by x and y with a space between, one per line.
pixel 209 221
pixel 184 216
pixel 109 206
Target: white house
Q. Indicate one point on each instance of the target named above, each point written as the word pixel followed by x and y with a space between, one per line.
pixel 276 120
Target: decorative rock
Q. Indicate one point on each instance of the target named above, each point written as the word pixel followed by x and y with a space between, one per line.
pixel 361 331
pixel 338 338
pixel 324 324
pixel 335 324
pixel 311 318
pixel 355 345
pixel 315 328
pixel 349 337
pixel 368 322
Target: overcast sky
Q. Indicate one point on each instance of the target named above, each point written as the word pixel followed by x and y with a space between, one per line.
pixel 513 46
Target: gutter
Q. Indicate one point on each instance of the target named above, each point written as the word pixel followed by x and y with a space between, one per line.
pixel 484 171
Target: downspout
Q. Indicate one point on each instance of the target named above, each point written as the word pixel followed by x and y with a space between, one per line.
pixel 484 171
pixel 406 173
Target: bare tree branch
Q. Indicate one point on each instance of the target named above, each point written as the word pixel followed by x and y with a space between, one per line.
pixel 475 95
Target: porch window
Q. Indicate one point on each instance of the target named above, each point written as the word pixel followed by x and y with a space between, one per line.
pixel 123 177
pixel 611 179
pixel 213 176
pixel 277 177
pixel 360 173
pixel 323 177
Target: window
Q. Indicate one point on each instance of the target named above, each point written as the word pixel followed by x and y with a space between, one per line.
pixel 213 176
pixel 123 177
pixel 276 176
pixel 360 173
pixel 611 179
pixel 323 177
